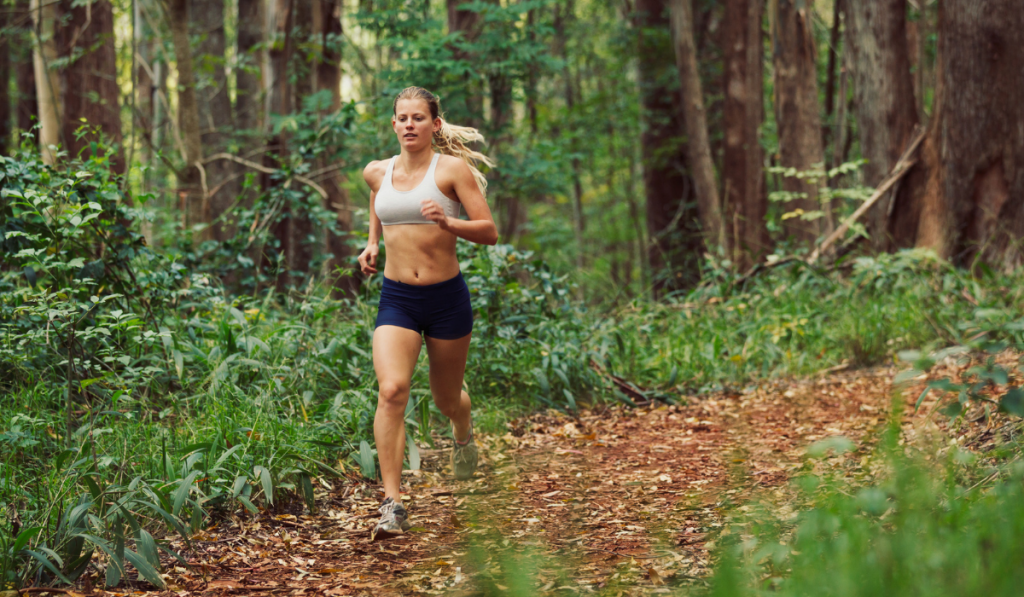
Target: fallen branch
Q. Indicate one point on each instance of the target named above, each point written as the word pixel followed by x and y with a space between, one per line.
pixel 261 168
pixel 631 391
pixel 898 172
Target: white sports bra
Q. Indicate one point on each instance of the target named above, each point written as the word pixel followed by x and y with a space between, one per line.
pixel 403 207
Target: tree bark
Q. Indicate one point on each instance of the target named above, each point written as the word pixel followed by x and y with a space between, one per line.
pixel 206 24
pixel 797 113
pixel 248 84
pixel 293 227
pixel 969 194
pixel 190 180
pixel 5 81
pixel 883 95
pixel 90 90
pixel 468 23
pixel 742 172
pixel 44 55
pixel 563 17
pixel 698 148
pixel 672 216
pixel 25 79
pixel 327 29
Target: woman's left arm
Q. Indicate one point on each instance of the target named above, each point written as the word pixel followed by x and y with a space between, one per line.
pixel 479 228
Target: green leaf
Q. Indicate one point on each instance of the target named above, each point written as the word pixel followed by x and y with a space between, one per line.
pixel 920 398
pixel 94 488
pixel 48 565
pixel 414 453
pixel 145 569
pixel 1013 402
pixel 182 492
pixel 569 398
pixel 618 395
pixel 237 485
pixel 268 485
pixel 838 443
pixel 906 376
pixel 307 493
pixel 179 364
pixel 366 461
pixel 248 504
pixel 24 537
pixel 147 548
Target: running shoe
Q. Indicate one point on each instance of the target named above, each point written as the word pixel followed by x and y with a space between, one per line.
pixel 393 519
pixel 464 456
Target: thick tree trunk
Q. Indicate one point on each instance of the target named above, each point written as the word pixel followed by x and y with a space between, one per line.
pixel 90 90
pixel 5 82
pixel 327 29
pixel 883 95
pixel 468 23
pixel 672 215
pixel 746 202
pixel 44 55
pixel 248 85
pixel 564 16
pixel 196 209
pixel 699 150
pixel 797 113
pixel 292 229
pixel 968 195
pixel 25 80
pixel 206 24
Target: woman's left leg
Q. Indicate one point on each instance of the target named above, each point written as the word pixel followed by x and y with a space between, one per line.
pixel 447 370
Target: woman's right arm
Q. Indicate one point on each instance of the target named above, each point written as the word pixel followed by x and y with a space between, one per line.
pixel 368 258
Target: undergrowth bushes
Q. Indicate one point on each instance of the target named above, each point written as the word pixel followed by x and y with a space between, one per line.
pixel 926 528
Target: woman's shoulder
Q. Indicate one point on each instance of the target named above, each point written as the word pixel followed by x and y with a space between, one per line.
pixel 452 166
pixel 374 172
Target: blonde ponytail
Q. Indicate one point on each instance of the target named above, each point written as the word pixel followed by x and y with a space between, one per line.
pixel 452 139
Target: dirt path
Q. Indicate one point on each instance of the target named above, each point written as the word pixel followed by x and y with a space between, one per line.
pixel 617 501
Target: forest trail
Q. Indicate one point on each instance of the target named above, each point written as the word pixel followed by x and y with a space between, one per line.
pixel 619 500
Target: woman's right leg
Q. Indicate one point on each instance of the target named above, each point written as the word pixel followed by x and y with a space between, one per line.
pixel 395 350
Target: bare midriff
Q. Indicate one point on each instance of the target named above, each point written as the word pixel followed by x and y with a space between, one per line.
pixel 419 254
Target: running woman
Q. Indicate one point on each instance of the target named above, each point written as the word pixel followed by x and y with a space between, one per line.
pixel 415 199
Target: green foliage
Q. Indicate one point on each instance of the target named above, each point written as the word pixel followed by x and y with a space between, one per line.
pixel 919 531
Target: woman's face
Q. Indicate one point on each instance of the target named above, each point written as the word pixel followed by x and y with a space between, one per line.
pixel 413 124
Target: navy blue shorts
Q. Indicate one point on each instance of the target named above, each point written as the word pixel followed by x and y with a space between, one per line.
pixel 441 310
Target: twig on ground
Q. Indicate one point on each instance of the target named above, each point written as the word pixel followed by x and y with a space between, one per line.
pixel 629 555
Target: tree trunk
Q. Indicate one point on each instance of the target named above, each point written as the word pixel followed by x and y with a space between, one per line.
pixel 883 95
pixel 44 55
pixel 90 90
pixel 248 104
pixel 293 227
pixel 327 28
pixel 968 195
pixel 698 148
pixel 797 114
pixel 5 82
pixel 469 103
pixel 743 173
pixel 206 24
pixel 25 79
pixel 672 216
pixel 565 13
pixel 190 181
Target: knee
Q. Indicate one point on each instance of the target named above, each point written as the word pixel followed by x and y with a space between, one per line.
pixel 451 408
pixel 393 395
